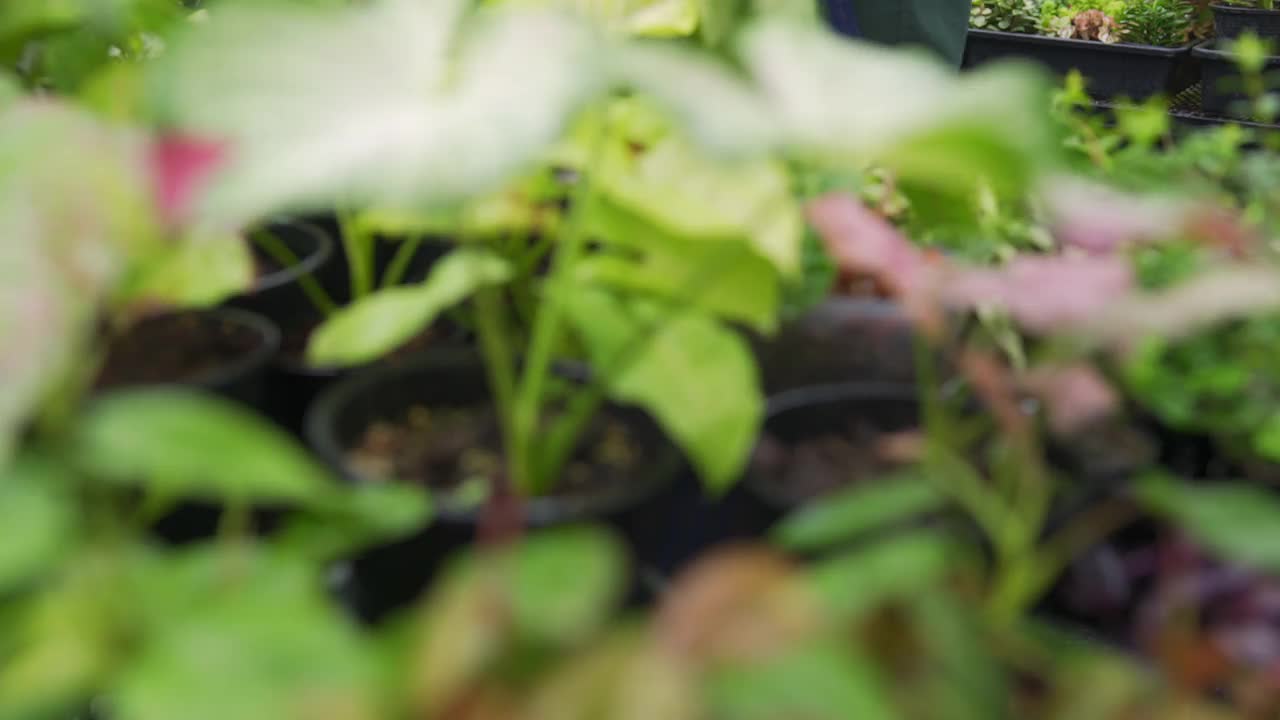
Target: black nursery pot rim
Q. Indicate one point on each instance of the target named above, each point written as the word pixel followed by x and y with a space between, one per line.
pixel 798 398
pixel 1226 9
pixel 269 344
pixel 320 428
pixel 1215 52
pixel 1123 48
pixel 785 403
pixel 307 264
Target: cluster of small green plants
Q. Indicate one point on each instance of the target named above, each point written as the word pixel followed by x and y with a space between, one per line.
pixel 1164 23
pixel 540 264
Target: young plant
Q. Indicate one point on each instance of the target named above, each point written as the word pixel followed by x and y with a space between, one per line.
pixel 1259 4
pixel 62 47
pixel 1020 16
pixel 1165 23
pixel 670 232
pixel 96 611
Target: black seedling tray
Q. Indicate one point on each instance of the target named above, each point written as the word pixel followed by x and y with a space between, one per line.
pixel 1222 93
pixel 1111 69
pixel 1229 23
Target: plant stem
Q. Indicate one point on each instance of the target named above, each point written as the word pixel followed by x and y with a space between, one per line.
pixel 561 440
pixel 359 247
pixel 548 326
pixel 495 346
pixel 280 252
pixel 400 263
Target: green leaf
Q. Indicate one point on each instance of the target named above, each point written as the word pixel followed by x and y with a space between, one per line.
pixel 368 513
pixel 722 277
pixel 10 89
pixel 198 272
pixel 377 324
pixel 857 581
pixel 117 93
pixel 823 681
pixel 687 194
pixel 662 18
pixel 183 444
pixel 797 64
pixel 624 676
pixel 942 133
pixel 305 97
pixel 565 583
pixel 963 672
pixel 1240 522
pixel 58 163
pixel 39 521
pixel 652 18
pixel 721 110
pixel 857 510
pixel 256 640
pixel 59 645
pixel 696 377
pixel 459 636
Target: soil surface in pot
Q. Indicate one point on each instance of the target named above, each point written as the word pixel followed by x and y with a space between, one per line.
pixel 457 450
pixel 818 465
pixel 178 348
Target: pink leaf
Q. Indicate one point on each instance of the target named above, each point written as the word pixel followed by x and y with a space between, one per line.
pixel 1098 219
pixel 863 243
pixel 1043 294
pixel 1224 293
pixel 1074 395
pixel 180 167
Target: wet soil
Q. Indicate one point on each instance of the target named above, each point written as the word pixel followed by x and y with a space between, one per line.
pixel 184 348
pixel 459 450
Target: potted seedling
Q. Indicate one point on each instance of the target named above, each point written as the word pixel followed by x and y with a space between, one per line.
pixel 85 475
pixel 671 236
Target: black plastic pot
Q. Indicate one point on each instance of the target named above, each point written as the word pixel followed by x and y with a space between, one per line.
pixel 281 294
pixel 1111 69
pixel 338 272
pixel 241 378
pixel 391 576
pixel 295 385
pixel 806 414
pixel 1230 22
pixel 292 384
pixel 840 340
pixel 1222 92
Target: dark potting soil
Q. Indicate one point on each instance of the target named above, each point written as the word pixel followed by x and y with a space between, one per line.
pixel 457 449
pixel 812 467
pixel 178 348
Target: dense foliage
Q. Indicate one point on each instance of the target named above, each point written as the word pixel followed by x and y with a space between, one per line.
pixel 1090 297
pixel 1165 23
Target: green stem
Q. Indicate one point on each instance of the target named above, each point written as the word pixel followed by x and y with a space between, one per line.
pixel 235 523
pixel 1013 592
pixel 549 324
pixel 400 263
pixel 280 252
pixel 1061 549
pixel 359 247
pixel 561 440
pixel 495 345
